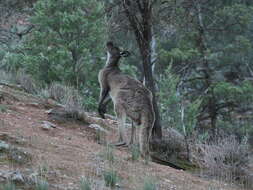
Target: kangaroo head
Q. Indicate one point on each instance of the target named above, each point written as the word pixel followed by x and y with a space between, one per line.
pixel 114 54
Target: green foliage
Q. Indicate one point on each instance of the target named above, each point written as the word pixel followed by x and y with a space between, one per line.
pixel 67 41
pixel 11 62
pixel 149 184
pixel 110 178
pixel 85 184
pixel 3 108
pixel 8 186
pixel 169 99
pixel 65 46
pixel 109 153
pixel 172 104
pixel 190 118
pixel 42 185
pixel 135 152
pixel 211 66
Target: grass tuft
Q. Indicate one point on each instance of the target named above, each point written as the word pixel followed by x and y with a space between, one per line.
pixel 109 154
pixel 8 186
pixel 85 184
pixel 149 184
pixel 135 152
pixel 110 178
pixel 42 185
pixel 3 108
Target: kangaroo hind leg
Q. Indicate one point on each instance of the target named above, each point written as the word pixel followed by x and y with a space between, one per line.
pixel 144 136
pixel 121 118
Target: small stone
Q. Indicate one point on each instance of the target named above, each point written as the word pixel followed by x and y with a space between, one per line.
pixel 47 125
pixel 49 111
pixel 4 146
pixel 97 127
pixel 17 177
pixel 19 155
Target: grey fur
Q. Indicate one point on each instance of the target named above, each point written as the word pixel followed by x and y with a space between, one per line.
pixel 130 98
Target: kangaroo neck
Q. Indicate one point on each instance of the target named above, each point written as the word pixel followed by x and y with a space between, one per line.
pixel 112 62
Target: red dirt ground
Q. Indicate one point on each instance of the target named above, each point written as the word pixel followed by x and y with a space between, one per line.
pixel 69 151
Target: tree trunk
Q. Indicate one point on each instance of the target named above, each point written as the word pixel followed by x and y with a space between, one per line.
pixel 211 103
pixel 150 84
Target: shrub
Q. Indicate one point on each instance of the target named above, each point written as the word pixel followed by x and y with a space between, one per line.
pixel 149 184
pixel 8 186
pixel 109 154
pixel 6 77
pixel 57 91
pixel 42 185
pixel 226 159
pixel 26 82
pixel 110 178
pixel 65 95
pixel 72 100
pixel 85 184
pixel 135 152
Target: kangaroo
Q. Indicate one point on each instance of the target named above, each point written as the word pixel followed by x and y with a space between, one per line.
pixel 130 98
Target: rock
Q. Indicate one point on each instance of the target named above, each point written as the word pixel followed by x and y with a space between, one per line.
pixel 46 125
pixel 19 155
pixel 11 139
pixel 49 111
pixel 17 177
pixel 4 146
pixel 14 176
pixel 34 104
pixel 98 127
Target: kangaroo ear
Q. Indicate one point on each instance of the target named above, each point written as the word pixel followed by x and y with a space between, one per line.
pixel 125 53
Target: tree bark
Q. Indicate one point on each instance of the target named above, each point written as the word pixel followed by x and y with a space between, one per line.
pixel 149 82
pixel 211 102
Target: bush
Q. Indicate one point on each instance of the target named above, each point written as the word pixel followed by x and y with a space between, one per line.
pixel 110 178
pixel 149 184
pixel 135 152
pixel 227 159
pixel 26 82
pixel 6 77
pixel 85 184
pixel 109 154
pixel 8 186
pixel 57 91
pixel 65 95
pixel 42 185
pixel 72 101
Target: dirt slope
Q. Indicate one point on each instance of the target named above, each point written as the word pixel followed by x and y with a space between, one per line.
pixel 63 154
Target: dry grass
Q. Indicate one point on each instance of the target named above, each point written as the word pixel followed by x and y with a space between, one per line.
pixel 57 91
pixel 26 82
pixel 227 160
pixel 65 95
pixel 6 77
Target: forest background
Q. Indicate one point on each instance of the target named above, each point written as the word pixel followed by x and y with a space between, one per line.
pixel 195 56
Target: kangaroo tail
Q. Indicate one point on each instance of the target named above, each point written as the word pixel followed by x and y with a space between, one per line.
pixel 147 123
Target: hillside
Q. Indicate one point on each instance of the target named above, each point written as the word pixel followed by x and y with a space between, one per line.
pixel 69 150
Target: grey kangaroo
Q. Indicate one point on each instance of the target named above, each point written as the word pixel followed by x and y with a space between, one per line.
pixel 130 98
